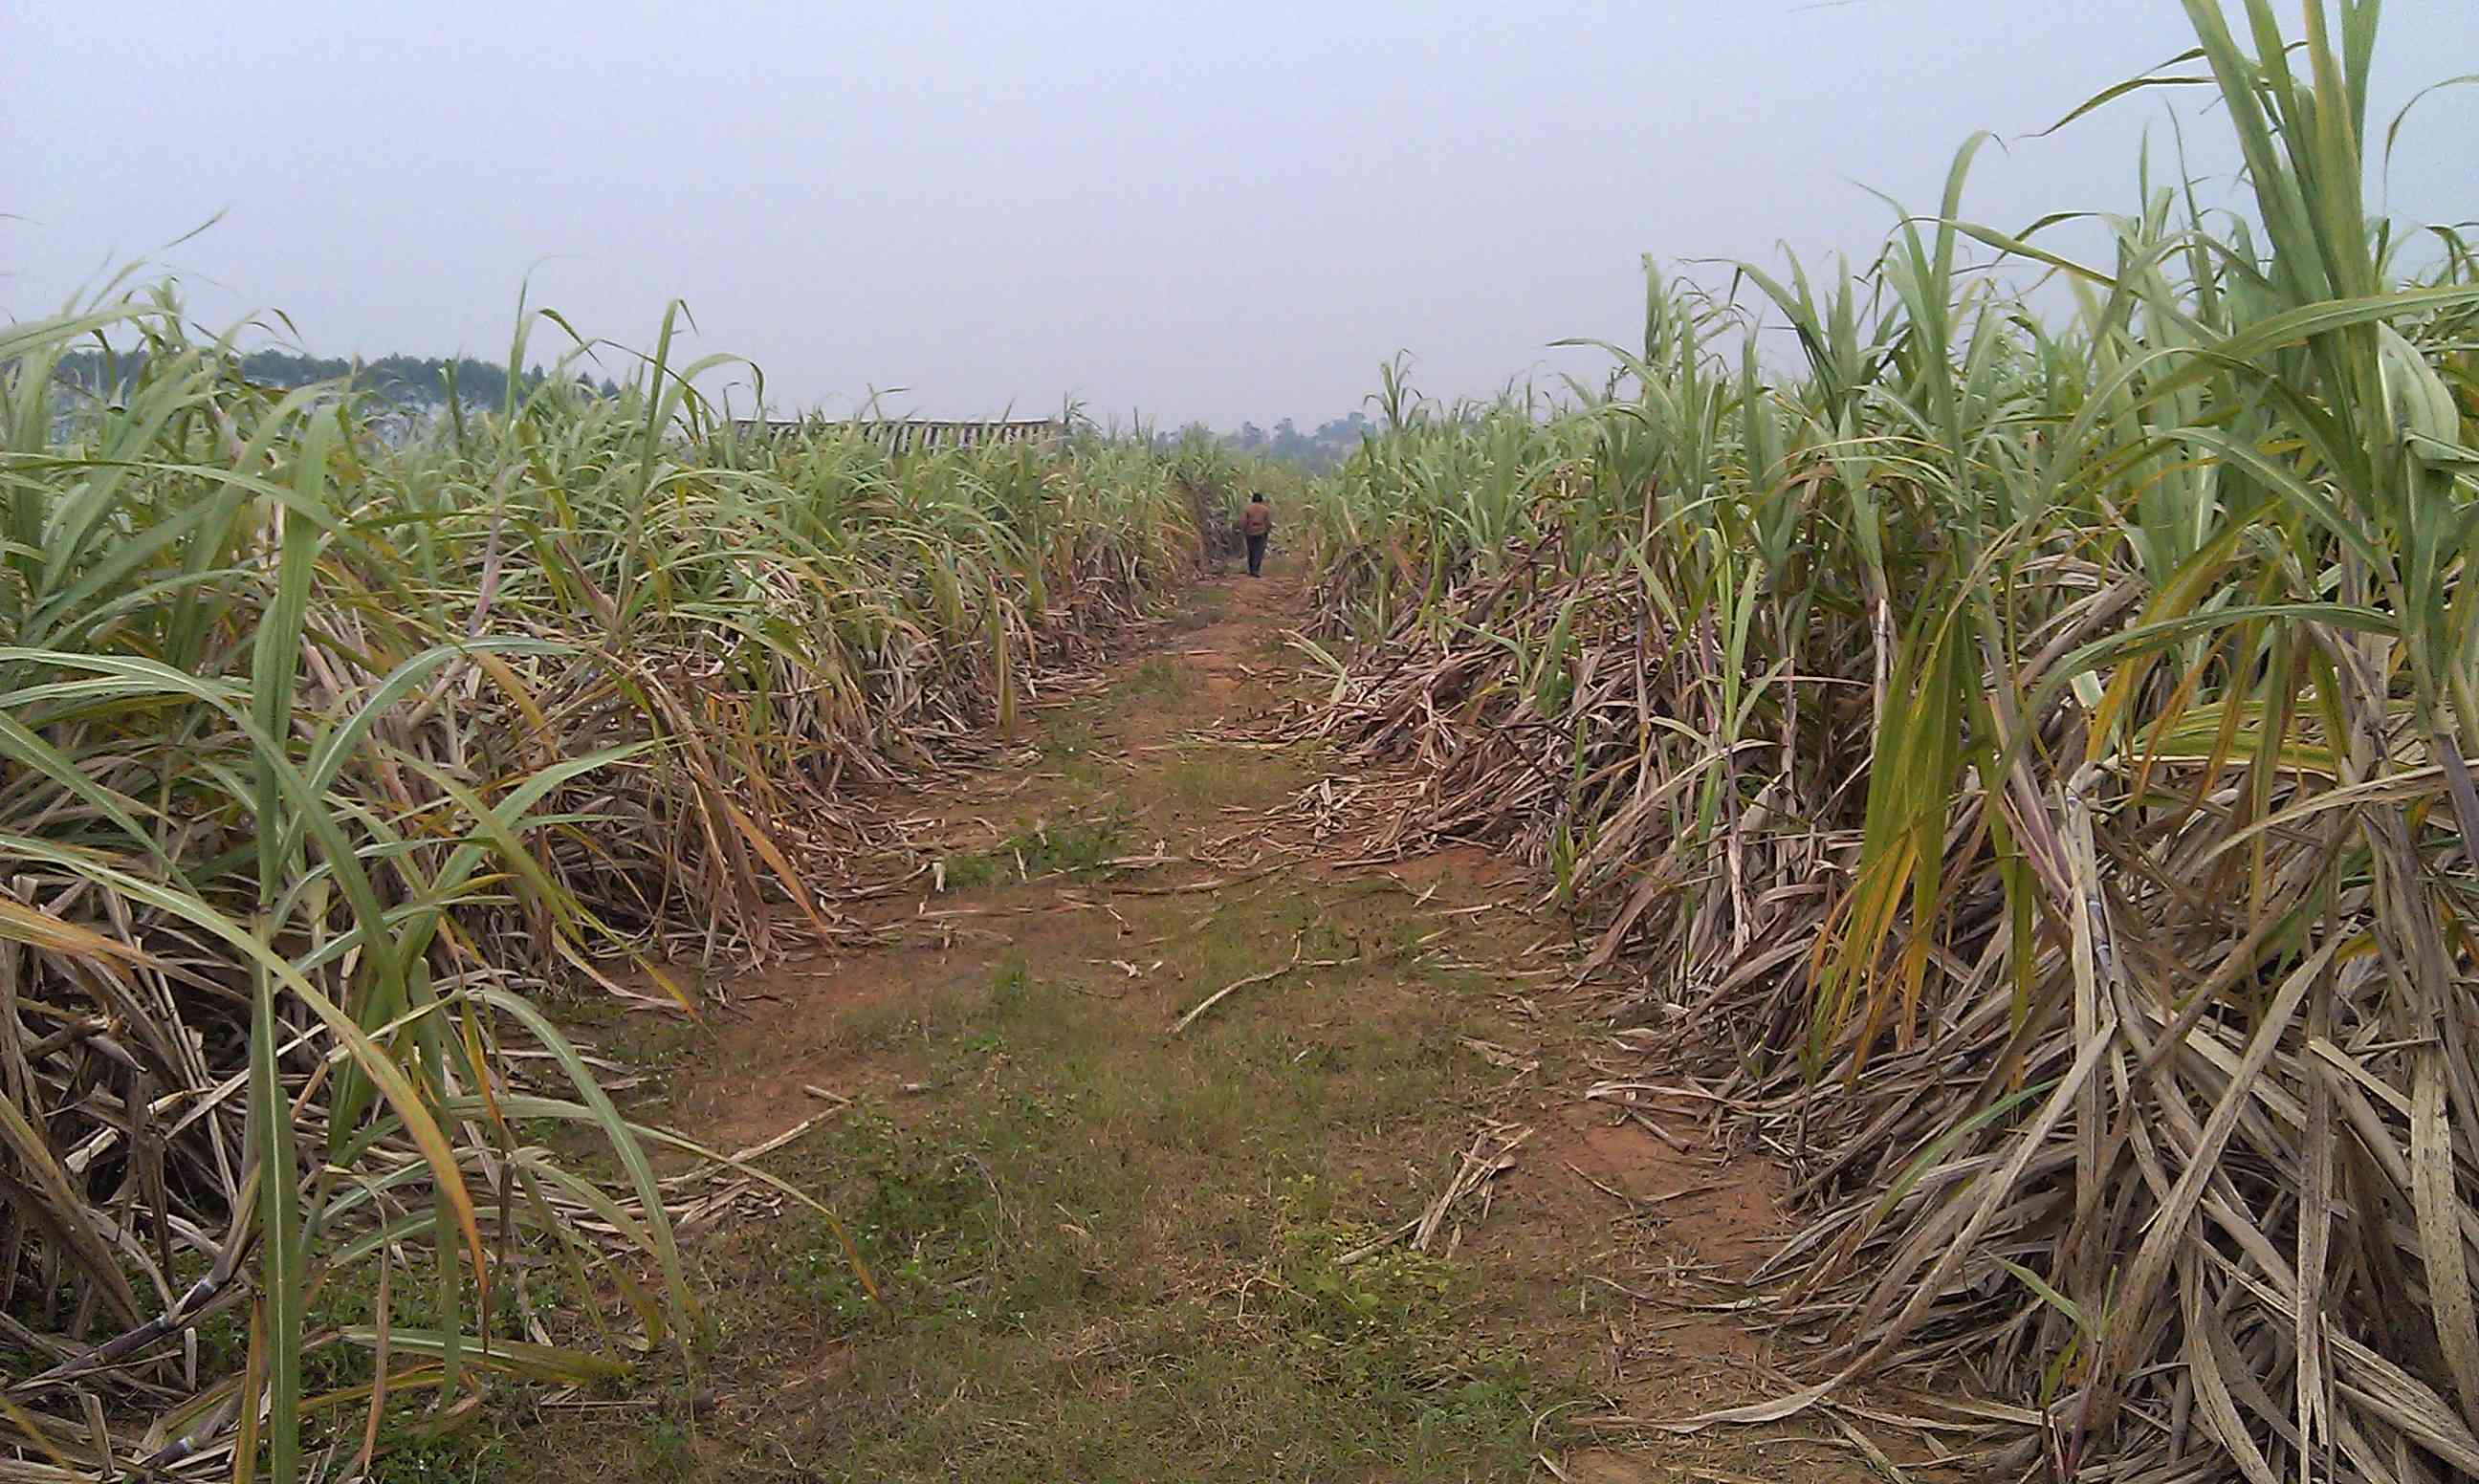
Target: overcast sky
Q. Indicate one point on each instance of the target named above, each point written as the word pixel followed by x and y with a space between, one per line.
pixel 1218 211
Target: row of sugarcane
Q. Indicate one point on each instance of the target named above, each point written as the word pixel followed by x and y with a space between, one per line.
pixel 324 747
pixel 2020 758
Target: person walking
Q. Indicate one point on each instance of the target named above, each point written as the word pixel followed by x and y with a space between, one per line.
pixel 1256 522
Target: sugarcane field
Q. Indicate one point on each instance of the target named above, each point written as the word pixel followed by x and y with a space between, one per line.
pixel 1848 854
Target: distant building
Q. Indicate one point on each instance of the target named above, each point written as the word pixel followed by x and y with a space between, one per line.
pixel 908 435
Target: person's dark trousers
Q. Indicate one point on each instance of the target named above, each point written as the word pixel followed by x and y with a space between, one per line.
pixel 1256 555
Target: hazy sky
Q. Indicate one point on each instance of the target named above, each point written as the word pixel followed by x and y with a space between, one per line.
pixel 1218 211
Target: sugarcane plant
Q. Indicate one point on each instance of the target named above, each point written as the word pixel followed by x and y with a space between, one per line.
pixel 2025 754
pixel 333 754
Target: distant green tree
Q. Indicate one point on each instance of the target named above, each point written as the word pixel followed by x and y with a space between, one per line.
pixel 414 383
pixel 1322 451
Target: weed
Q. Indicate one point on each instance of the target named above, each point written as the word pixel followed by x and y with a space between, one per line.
pixel 1159 678
pixel 1368 1323
pixel 1069 737
pixel 1210 783
pixel 664 1449
pixel 1038 849
pixel 408 1455
pixel 1078 848
pixel 968 872
pixel 927 1211
pixel 1010 987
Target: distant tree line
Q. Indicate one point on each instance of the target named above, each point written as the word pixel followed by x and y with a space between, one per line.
pixel 1319 452
pixel 420 383
pixel 405 381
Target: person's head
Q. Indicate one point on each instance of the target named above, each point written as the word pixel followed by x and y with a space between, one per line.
pixel 1256 499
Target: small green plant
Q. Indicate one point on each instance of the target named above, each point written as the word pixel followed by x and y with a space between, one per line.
pixel 927 1212
pixel 1010 987
pixel 409 1454
pixel 1070 737
pixel 968 872
pixel 1492 1408
pixel 1159 678
pixel 1036 849
pixel 1079 848
pixel 1210 783
pixel 666 1452
pixel 1377 1323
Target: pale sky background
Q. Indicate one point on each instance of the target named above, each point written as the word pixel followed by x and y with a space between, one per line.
pixel 1215 212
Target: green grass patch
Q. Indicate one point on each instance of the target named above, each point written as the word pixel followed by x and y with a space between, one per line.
pixel 1077 848
pixel 1158 677
pixel 924 1229
pixel 1334 1370
pixel 1010 987
pixel 1077 744
pixel 971 872
pixel 1211 782
pixel 408 1455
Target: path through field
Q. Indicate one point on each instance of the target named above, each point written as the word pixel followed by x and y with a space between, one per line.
pixel 1110 1250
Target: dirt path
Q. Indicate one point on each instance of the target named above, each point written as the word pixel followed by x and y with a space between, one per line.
pixel 1110 1249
